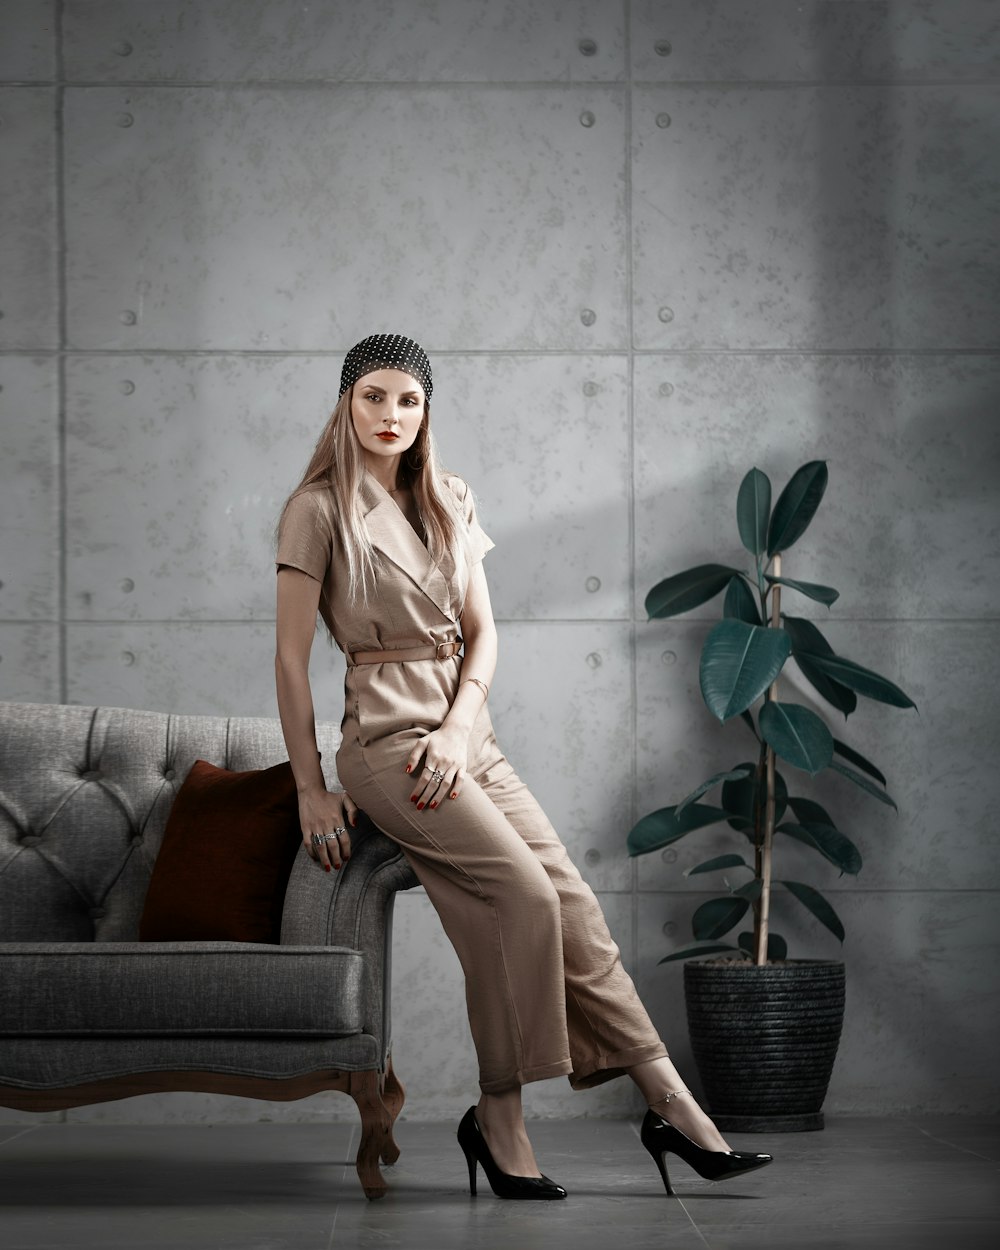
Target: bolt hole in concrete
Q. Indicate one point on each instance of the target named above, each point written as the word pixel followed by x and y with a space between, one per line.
pixel 593 584
pixel 587 47
pixel 588 316
pixel 662 47
pixel 587 118
pixel 594 659
pixel 593 857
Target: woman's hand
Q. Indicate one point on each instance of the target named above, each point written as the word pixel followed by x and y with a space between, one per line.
pixel 446 751
pixel 323 811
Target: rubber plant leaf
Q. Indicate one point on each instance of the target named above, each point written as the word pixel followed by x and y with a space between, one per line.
pixel 739 603
pixel 833 845
pixel 720 861
pixel 810 810
pixel 686 952
pixel 737 798
pixel 797 735
pixel 797 506
pixel 662 827
pixel 855 757
pixel 863 783
pixel 812 590
pixel 807 638
pixel 817 904
pixel 734 774
pixel 862 680
pixel 738 663
pixel 688 590
pixel 716 917
pixel 747 720
pixel 753 511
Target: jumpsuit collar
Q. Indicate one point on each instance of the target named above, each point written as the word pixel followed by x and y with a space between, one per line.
pixel 393 535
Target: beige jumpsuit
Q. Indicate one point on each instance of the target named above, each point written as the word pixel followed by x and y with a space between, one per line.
pixel 546 991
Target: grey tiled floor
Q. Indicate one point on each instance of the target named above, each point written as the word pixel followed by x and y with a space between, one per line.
pixel 874 1184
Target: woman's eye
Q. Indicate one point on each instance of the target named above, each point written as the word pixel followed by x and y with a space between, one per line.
pixel 373 397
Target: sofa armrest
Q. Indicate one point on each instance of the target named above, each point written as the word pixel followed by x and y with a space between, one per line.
pixel 352 908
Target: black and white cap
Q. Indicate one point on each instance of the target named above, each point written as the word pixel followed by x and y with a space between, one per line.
pixel 386 351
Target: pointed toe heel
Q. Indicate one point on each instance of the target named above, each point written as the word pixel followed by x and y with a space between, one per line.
pixel 661 1138
pixel 476 1151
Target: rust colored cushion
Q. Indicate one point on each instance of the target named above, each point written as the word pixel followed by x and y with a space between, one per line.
pixel 226 857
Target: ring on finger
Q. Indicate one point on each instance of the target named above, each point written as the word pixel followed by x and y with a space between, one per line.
pixel 437 775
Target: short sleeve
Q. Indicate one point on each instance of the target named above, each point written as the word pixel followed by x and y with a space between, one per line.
pixel 479 541
pixel 304 537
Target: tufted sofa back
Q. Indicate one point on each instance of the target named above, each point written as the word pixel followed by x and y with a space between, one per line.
pixel 84 799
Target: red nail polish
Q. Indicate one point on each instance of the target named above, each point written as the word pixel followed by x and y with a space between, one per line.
pixel 420 807
pixel 454 796
pixel 327 867
pixel 408 768
pixel 434 804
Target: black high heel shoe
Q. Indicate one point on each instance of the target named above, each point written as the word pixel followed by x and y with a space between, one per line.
pixel 660 1138
pixel 476 1150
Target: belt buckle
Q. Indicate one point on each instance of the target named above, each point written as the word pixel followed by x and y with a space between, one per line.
pixel 454 648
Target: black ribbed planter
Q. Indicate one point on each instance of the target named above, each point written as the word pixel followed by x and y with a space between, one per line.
pixel 765 1040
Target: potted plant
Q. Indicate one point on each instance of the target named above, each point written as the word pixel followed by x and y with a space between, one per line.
pixel 764 1028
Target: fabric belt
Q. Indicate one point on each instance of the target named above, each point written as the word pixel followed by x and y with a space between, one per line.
pixel 443 651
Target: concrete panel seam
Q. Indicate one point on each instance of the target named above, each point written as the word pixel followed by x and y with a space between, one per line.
pixel 61 391
pixel 326 84
pixel 334 84
pixel 758 84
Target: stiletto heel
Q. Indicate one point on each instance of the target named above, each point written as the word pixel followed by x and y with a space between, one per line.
pixel 660 1159
pixel 476 1150
pixel 660 1137
pixel 470 1159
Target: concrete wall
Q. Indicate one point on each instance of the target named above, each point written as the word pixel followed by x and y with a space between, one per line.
pixel 647 245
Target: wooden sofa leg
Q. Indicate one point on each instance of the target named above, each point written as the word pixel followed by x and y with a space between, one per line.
pixel 376 1126
pixel 393 1095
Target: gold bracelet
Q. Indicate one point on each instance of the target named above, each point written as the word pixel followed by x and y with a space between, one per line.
pixel 482 685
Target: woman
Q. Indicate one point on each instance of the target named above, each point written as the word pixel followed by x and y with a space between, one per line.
pixel 388 549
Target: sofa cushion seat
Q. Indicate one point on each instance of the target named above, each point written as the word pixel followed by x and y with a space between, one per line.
pixel 179 989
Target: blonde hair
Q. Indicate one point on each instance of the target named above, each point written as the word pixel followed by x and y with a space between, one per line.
pixel 337 467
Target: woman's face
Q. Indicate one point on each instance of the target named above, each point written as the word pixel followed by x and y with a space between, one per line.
pixel 387 407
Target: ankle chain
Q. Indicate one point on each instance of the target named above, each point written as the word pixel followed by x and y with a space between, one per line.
pixel 670 1096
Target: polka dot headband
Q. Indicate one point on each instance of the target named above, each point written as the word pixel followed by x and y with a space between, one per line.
pixel 386 351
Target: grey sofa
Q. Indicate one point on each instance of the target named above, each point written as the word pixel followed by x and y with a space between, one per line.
pixel 89 1014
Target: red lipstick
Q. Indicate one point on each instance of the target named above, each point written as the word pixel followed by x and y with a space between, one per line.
pixel 386 437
